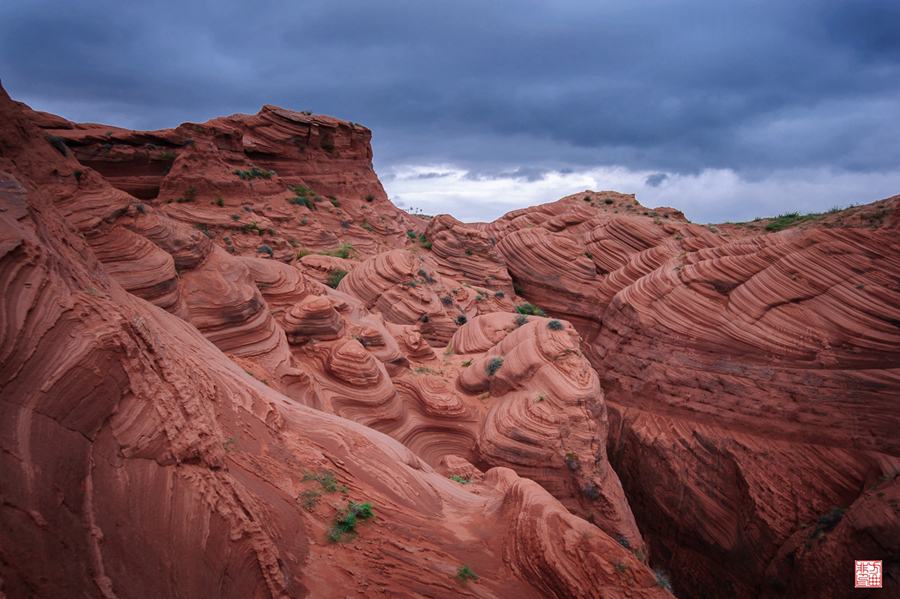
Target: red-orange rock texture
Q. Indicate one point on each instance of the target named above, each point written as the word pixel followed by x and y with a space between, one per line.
pixel 170 405
pixel 200 368
pixel 752 380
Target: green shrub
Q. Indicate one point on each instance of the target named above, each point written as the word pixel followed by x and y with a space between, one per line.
pixel 499 293
pixel 527 308
pixel 460 320
pixel 302 200
pixel 346 520
pixel 519 320
pixel 466 574
pixel 572 461
pixel 555 325
pixel 460 479
pixel 253 173
pixel 346 252
pixel 264 249
pixel 335 277
pixel 608 201
pixel 167 156
pixel 493 366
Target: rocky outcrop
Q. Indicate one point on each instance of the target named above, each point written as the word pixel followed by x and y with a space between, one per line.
pixel 271 177
pixel 467 255
pixel 740 382
pixel 750 378
pixel 140 460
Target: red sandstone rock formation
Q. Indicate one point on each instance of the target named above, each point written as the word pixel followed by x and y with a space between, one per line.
pixel 174 375
pixel 752 381
pixel 139 460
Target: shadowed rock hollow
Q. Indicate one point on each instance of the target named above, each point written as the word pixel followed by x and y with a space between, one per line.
pixel 220 340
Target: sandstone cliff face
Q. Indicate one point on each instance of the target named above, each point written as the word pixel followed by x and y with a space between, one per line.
pixel 752 380
pixel 181 419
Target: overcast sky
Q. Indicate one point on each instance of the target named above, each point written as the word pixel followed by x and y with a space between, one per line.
pixel 726 110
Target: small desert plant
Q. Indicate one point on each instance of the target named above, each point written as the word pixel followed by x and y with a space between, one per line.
pixel 520 319
pixel 460 320
pixel 608 201
pixel 540 397
pixel 335 277
pixel 167 156
pixel 346 520
pixel 493 366
pixel 499 293
pixel 591 491
pixel 827 522
pixel 622 541
pixel 461 480
pixel 59 143
pixel 467 363
pixel 265 249
pixel 309 499
pixel 555 325
pixel 662 579
pixel 572 461
pixel 327 480
pixel 465 573
pixel 346 252
pixel 447 300
pixel 253 173
pixel 77 175
pixel 527 308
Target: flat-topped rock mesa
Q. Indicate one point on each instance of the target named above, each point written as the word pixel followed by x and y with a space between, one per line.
pixel 267 179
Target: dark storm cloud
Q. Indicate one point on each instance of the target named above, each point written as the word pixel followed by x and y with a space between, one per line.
pixel 491 86
pixel 523 173
pixel 656 179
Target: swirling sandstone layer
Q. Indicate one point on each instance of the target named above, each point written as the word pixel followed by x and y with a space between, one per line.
pixel 139 460
pixel 751 379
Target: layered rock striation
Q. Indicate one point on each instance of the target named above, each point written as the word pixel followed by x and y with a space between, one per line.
pixel 181 419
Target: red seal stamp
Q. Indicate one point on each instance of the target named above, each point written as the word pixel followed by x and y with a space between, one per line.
pixel 868 574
